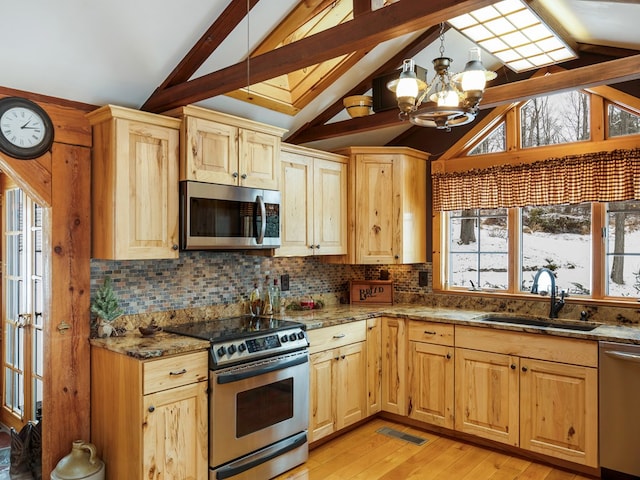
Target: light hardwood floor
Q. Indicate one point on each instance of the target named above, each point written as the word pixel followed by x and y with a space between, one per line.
pixel 364 454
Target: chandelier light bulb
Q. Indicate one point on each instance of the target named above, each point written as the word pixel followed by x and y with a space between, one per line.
pixel 407 84
pixel 474 75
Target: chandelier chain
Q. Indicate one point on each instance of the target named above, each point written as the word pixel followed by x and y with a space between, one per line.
pixel 442 39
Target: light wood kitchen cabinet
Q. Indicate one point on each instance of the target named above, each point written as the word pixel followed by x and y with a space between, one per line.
pixel 394 389
pixel 374 366
pixel 221 148
pixel 149 418
pixel 431 373
pixel 134 183
pixel 387 205
pixel 337 378
pixel 314 202
pixel 534 391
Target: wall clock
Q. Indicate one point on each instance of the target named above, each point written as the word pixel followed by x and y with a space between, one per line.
pixel 26 130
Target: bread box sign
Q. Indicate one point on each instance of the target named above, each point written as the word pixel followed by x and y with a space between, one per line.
pixel 371 291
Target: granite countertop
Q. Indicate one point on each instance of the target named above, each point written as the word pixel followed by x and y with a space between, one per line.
pixel 164 344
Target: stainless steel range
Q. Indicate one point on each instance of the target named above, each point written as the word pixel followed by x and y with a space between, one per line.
pixel 259 395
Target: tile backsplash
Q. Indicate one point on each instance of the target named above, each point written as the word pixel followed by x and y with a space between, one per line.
pixel 199 279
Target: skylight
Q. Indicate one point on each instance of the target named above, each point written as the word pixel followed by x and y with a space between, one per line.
pixel 514 34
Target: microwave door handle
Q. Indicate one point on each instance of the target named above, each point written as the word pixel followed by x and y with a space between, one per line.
pixel 263 214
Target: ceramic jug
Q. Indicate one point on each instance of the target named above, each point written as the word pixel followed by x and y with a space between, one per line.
pixel 82 463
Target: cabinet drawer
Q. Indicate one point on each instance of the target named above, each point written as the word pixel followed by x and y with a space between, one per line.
pixel 174 371
pixel 531 345
pixel 431 332
pixel 336 336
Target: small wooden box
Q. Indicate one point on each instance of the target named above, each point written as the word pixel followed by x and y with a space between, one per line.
pixel 371 291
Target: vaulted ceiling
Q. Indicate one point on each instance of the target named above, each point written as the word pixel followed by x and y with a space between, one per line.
pixel 304 57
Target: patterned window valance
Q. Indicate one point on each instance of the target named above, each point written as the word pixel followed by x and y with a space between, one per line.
pixel 595 177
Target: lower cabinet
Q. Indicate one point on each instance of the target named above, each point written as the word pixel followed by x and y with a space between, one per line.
pixel 149 418
pixel 394 366
pixel 374 365
pixel 338 379
pixel 533 391
pixel 431 370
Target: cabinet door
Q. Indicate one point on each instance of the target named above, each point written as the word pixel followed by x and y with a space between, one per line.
pixel 259 160
pixel 431 385
pixel 558 410
pixel 393 366
pixel 350 385
pixel 321 395
pixel 374 365
pixel 297 205
pixel 487 395
pixel 146 193
pixel 378 230
pixel 211 153
pixel 175 433
pixel 330 207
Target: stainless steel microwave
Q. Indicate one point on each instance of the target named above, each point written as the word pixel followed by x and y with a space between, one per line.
pixel 225 217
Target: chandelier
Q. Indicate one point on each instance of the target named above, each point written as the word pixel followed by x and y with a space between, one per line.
pixel 451 99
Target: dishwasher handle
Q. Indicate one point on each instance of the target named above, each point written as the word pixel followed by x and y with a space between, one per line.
pixel 630 357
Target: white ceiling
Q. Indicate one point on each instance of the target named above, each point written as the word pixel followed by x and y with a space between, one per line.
pixel 119 51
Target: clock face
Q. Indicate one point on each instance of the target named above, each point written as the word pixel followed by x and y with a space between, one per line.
pixel 22 127
pixel 26 131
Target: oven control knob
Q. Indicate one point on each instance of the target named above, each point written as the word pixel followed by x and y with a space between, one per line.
pixel 284 339
pixel 231 350
pixel 242 347
pixel 221 351
pixel 292 337
pixel 300 335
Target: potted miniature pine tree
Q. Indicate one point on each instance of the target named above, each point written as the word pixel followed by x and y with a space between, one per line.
pixel 105 307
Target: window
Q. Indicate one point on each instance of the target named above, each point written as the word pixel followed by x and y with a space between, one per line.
pixel 478 249
pixel 558 238
pixel 621 122
pixel 559 118
pixel 623 249
pixel 492 143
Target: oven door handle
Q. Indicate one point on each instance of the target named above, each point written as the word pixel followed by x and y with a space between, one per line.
pixel 236 468
pixel 224 378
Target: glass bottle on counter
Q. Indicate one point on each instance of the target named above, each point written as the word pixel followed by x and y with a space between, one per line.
pixel 274 295
pixel 255 301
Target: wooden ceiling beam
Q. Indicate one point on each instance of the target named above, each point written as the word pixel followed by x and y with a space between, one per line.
pixel 611 72
pixel 419 44
pixel 370 28
pixel 615 52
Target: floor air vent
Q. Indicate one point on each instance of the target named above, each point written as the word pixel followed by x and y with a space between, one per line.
pixel 402 436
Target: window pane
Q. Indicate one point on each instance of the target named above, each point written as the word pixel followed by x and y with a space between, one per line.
pixel 478 249
pixel 623 249
pixel 559 118
pixel 622 122
pixel 558 238
pixel 494 142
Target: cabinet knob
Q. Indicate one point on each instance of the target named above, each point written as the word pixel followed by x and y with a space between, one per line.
pixel 396 257
pixel 342 357
pixel 337 358
pixel 174 246
pixel 524 369
pixel 312 246
pixel 513 366
pixel 243 176
pixel 448 356
pixel 151 409
pixel 234 174
pixel 317 246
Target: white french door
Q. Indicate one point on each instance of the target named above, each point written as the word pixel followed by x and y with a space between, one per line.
pixel 22 303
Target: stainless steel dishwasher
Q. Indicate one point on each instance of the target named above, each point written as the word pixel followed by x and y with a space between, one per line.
pixel 619 413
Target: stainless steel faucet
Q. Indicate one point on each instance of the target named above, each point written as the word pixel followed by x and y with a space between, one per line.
pixel 556 306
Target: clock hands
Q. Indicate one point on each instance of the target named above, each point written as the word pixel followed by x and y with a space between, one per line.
pixel 27 127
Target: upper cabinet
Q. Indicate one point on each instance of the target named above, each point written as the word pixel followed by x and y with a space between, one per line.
pixel 387 205
pixel 134 178
pixel 314 202
pixel 221 148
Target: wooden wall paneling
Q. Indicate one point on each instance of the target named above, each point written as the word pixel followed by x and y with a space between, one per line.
pixel 66 405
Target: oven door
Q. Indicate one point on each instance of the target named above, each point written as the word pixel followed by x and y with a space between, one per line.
pixel 257 404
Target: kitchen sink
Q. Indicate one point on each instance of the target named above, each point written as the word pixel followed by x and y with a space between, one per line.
pixel 580 326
